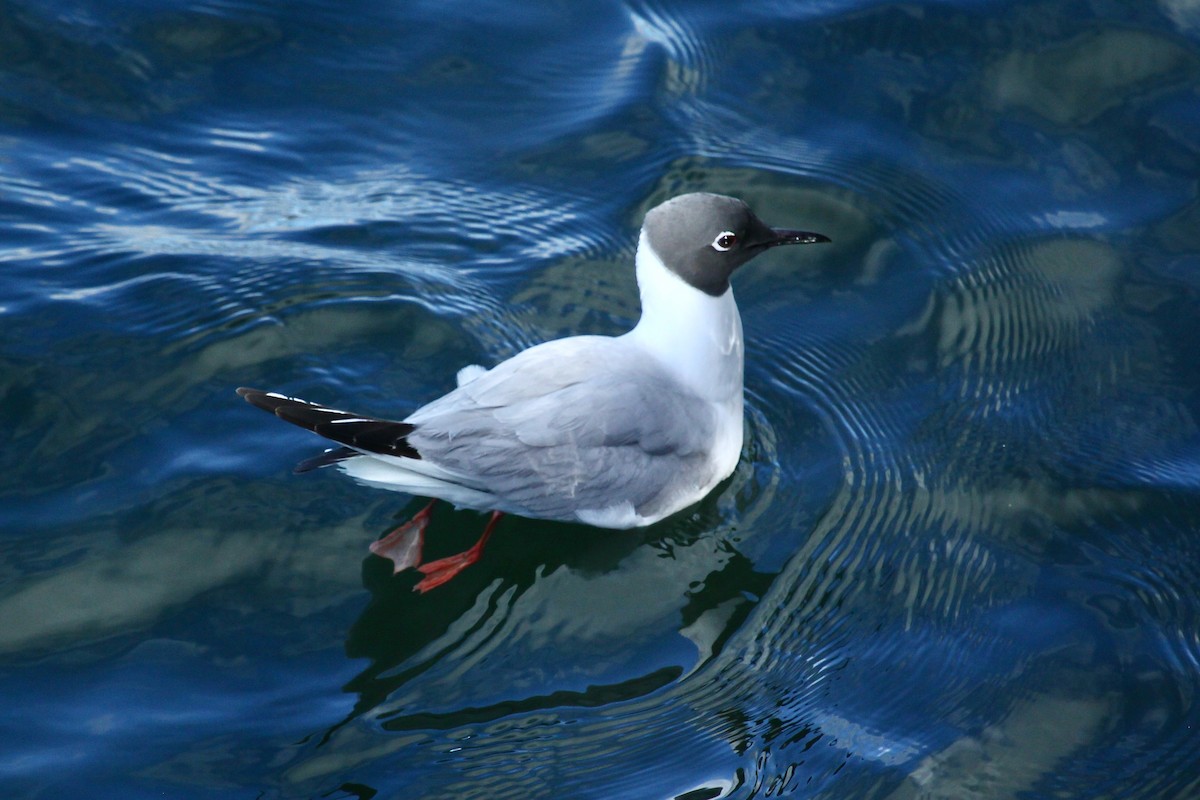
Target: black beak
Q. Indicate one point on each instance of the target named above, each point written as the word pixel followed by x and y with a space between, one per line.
pixel 794 237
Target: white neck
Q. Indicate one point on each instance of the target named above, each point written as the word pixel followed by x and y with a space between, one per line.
pixel 696 336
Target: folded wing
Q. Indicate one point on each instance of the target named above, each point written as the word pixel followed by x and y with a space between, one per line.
pixel 581 428
pixel 573 425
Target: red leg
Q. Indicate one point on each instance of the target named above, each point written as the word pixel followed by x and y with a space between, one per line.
pixel 403 545
pixel 443 569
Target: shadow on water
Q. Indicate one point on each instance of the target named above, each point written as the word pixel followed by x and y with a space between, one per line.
pixel 543 583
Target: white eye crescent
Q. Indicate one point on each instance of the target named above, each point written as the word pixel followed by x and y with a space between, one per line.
pixel 725 241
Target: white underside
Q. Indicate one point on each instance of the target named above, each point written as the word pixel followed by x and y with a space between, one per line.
pixel 417 478
pixel 414 477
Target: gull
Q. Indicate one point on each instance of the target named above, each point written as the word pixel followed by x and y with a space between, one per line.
pixel 611 431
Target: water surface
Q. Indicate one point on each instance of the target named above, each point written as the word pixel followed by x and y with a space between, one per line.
pixel 958 558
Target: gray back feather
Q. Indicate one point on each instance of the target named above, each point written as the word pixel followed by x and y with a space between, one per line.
pixel 577 423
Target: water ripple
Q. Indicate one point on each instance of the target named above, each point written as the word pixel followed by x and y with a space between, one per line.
pixel 956 558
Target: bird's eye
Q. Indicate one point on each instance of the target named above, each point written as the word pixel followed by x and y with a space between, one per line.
pixel 724 241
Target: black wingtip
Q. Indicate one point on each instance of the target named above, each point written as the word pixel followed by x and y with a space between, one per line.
pixel 290 409
pixel 325 459
pixel 258 398
pixel 368 434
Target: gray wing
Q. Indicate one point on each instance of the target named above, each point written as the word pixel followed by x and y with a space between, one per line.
pixel 580 423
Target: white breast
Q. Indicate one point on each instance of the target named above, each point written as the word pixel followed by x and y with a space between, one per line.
pixel 697 338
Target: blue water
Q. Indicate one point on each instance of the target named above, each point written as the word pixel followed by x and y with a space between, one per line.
pixel 959 559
